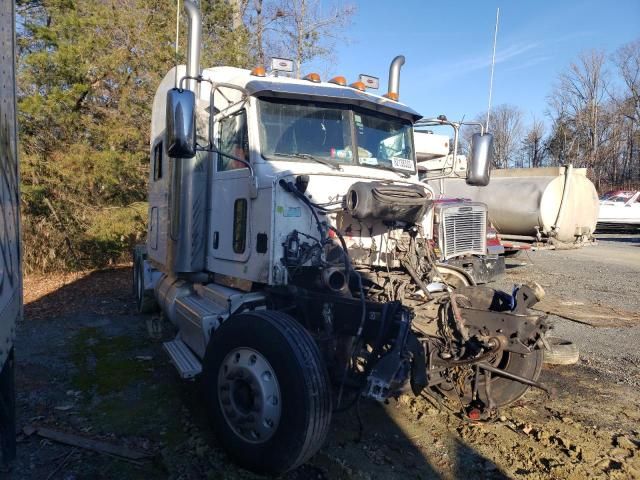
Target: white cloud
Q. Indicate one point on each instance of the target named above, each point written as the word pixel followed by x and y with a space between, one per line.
pixel 481 61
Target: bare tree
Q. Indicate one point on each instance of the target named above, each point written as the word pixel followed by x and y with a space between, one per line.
pixel 303 29
pixel 533 148
pixel 576 101
pixel 259 31
pixel 627 61
pixel 506 127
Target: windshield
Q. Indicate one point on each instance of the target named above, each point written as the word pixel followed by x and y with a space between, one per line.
pixel 336 134
pixel 618 198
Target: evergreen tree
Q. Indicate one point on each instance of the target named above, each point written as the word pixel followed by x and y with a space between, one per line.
pixel 87 74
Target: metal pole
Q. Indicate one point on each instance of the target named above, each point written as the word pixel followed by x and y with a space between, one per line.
pixel 177 38
pixel 493 63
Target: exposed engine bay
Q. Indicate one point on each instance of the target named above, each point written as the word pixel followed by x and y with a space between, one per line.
pixel 385 329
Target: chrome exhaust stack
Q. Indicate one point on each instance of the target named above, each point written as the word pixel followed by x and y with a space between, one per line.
pixel 393 91
pixel 194 37
pixel 187 244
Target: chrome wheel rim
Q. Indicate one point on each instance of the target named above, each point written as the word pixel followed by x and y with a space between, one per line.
pixel 249 395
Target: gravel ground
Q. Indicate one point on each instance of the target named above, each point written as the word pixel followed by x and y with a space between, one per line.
pixel 88 365
pixel 607 273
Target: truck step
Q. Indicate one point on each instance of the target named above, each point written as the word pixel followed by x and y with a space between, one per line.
pixel 183 359
pixel 219 294
pixel 228 298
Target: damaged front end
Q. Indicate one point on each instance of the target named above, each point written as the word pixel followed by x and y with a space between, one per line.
pixel 384 316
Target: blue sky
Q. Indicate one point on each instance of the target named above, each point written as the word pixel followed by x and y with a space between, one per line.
pixel 448 45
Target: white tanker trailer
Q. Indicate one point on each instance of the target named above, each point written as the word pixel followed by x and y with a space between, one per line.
pixel 555 204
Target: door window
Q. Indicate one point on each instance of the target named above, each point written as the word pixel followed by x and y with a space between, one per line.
pixel 239 225
pixel 233 142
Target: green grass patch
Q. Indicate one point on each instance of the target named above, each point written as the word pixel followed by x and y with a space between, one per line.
pixel 105 364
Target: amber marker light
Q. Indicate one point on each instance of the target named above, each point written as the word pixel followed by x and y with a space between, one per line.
pixel 358 86
pixel 258 72
pixel 339 80
pixel 312 77
pixel 391 96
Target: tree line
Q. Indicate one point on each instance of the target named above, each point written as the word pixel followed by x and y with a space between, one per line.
pixel 593 121
pixel 87 72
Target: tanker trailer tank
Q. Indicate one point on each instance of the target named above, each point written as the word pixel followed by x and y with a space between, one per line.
pixel 555 204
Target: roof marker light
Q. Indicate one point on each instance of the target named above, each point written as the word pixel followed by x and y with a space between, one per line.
pixel 392 96
pixel 358 86
pixel 312 77
pixel 339 80
pixel 258 72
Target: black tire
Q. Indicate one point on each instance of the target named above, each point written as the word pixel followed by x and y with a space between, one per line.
pixel 563 352
pixel 145 302
pixel 304 390
pixel 134 276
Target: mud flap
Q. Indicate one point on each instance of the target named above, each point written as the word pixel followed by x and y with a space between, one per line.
pixel 418 365
pixel 8 411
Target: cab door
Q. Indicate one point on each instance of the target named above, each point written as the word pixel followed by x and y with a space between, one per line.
pixel 230 207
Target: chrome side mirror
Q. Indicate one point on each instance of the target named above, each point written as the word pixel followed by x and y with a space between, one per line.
pixel 181 123
pixel 480 159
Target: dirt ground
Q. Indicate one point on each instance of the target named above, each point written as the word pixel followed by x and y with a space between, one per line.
pixel 88 365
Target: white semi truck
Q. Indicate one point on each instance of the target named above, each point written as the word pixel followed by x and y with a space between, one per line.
pixel 10 253
pixel 286 245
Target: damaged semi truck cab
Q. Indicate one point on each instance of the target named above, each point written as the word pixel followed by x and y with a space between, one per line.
pixel 286 244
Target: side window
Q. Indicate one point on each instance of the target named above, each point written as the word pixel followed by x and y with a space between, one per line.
pixel 234 141
pixel 157 161
pixel 239 225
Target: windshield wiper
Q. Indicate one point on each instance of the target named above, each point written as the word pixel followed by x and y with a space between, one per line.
pixel 391 169
pixel 307 156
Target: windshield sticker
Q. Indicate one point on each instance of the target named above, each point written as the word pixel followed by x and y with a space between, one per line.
pixel 368 160
pixel 400 163
pixel 359 125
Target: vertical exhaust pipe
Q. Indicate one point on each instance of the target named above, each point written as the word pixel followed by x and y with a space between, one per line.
pixel 194 37
pixel 393 92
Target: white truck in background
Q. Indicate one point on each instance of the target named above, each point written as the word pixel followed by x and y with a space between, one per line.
pixel 547 207
pixel 461 229
pixel 286 244
pixel 10 258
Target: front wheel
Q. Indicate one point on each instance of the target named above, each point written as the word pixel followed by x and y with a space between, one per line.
pixel 267 391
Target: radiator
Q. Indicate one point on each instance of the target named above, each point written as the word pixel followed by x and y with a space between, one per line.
pixel 463 230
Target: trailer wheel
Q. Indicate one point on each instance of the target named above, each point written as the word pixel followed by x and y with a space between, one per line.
pixel 267 390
